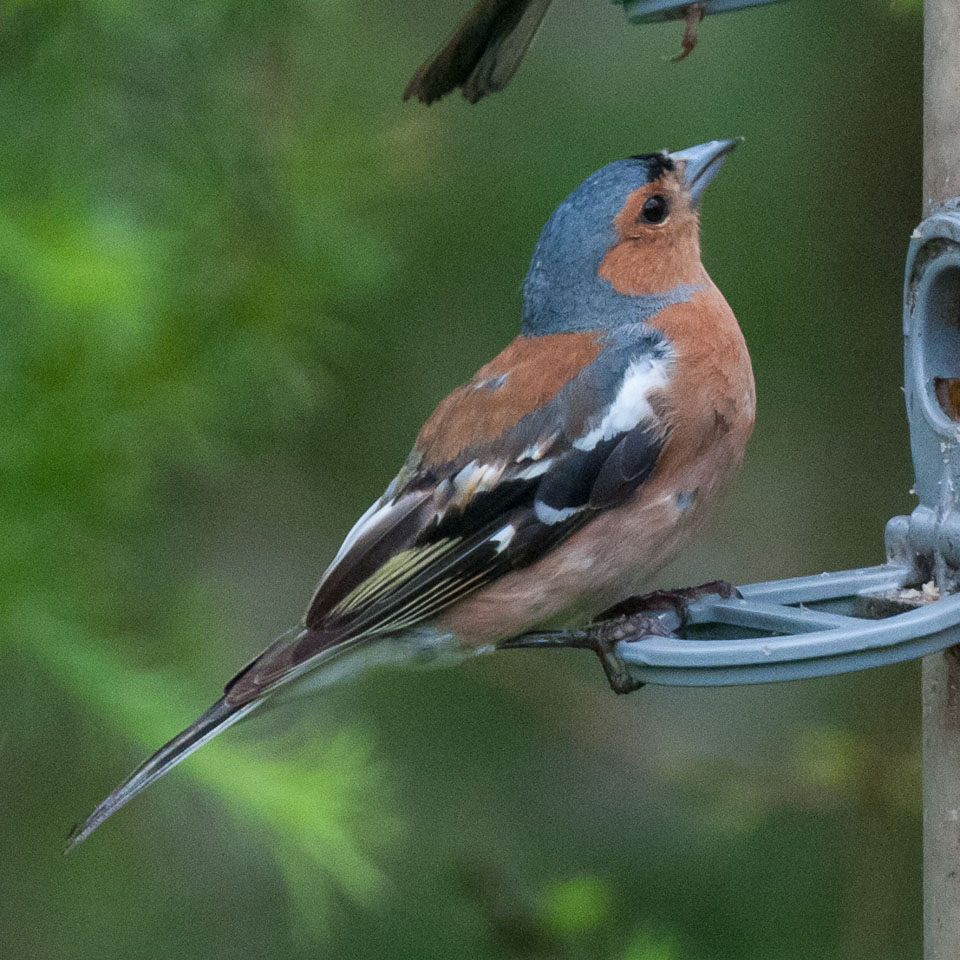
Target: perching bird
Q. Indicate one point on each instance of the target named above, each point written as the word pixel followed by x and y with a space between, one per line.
pixel 564 473
pixel 485 50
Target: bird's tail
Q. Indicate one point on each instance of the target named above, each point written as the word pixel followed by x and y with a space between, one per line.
pixel 220 716
pixel 483 53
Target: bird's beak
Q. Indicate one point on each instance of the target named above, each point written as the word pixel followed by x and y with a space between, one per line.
pixel 702 163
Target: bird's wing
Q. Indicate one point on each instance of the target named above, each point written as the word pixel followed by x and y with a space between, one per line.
pixel 483 53
pixel 486 491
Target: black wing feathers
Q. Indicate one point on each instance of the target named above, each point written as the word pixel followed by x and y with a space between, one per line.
pixel 569 484
pixel 492 506
pixel 584 482
pixel 630 463
pixel 372 549
pixel 463 547
pixel 430 554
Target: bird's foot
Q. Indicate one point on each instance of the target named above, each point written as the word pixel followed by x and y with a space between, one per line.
pixel 629 621
pixel 694 15
pixel 600 637
pixel 604 637
pixel 677 600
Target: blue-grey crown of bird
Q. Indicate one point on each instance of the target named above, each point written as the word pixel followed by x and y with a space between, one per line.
pixel 567 470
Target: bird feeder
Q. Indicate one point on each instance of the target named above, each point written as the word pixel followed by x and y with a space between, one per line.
pixel 907 607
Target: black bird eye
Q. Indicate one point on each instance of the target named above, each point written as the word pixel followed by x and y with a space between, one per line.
pixel 655 209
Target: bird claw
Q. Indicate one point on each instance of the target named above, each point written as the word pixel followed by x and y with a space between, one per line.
pixel 677 600
pixel 694 15
pixel 630 629
pixel 629 621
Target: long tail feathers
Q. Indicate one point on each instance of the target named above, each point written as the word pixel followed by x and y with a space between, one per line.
pixel 220 716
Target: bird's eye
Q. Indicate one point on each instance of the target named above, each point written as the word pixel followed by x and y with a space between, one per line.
pixel 655 209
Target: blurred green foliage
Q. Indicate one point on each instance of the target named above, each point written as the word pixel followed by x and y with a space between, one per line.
pixel 235 275
pixel 572 906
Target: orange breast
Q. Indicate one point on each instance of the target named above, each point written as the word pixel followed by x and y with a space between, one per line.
pixel 711 398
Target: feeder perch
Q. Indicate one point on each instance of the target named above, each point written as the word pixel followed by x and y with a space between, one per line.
pixel 657 11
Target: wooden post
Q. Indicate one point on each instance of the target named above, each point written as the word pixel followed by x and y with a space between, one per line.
pixel 941 672
pixel 941 102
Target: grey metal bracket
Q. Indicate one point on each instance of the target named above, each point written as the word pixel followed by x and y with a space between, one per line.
pixel 854 619
pixel 929 539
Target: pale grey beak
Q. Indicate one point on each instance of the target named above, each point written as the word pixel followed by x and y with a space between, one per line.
pixel 702 163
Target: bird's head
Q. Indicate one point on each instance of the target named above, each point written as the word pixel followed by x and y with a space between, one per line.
pixel 623 244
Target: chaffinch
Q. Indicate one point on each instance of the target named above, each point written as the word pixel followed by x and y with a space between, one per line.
pixel 566 471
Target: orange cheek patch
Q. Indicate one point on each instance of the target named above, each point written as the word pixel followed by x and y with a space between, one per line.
pixel 653 259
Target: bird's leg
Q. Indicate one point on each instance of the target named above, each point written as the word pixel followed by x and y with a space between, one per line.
pixel 602 638
pixel 677 600
pixel 694 14
pixel 630 621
